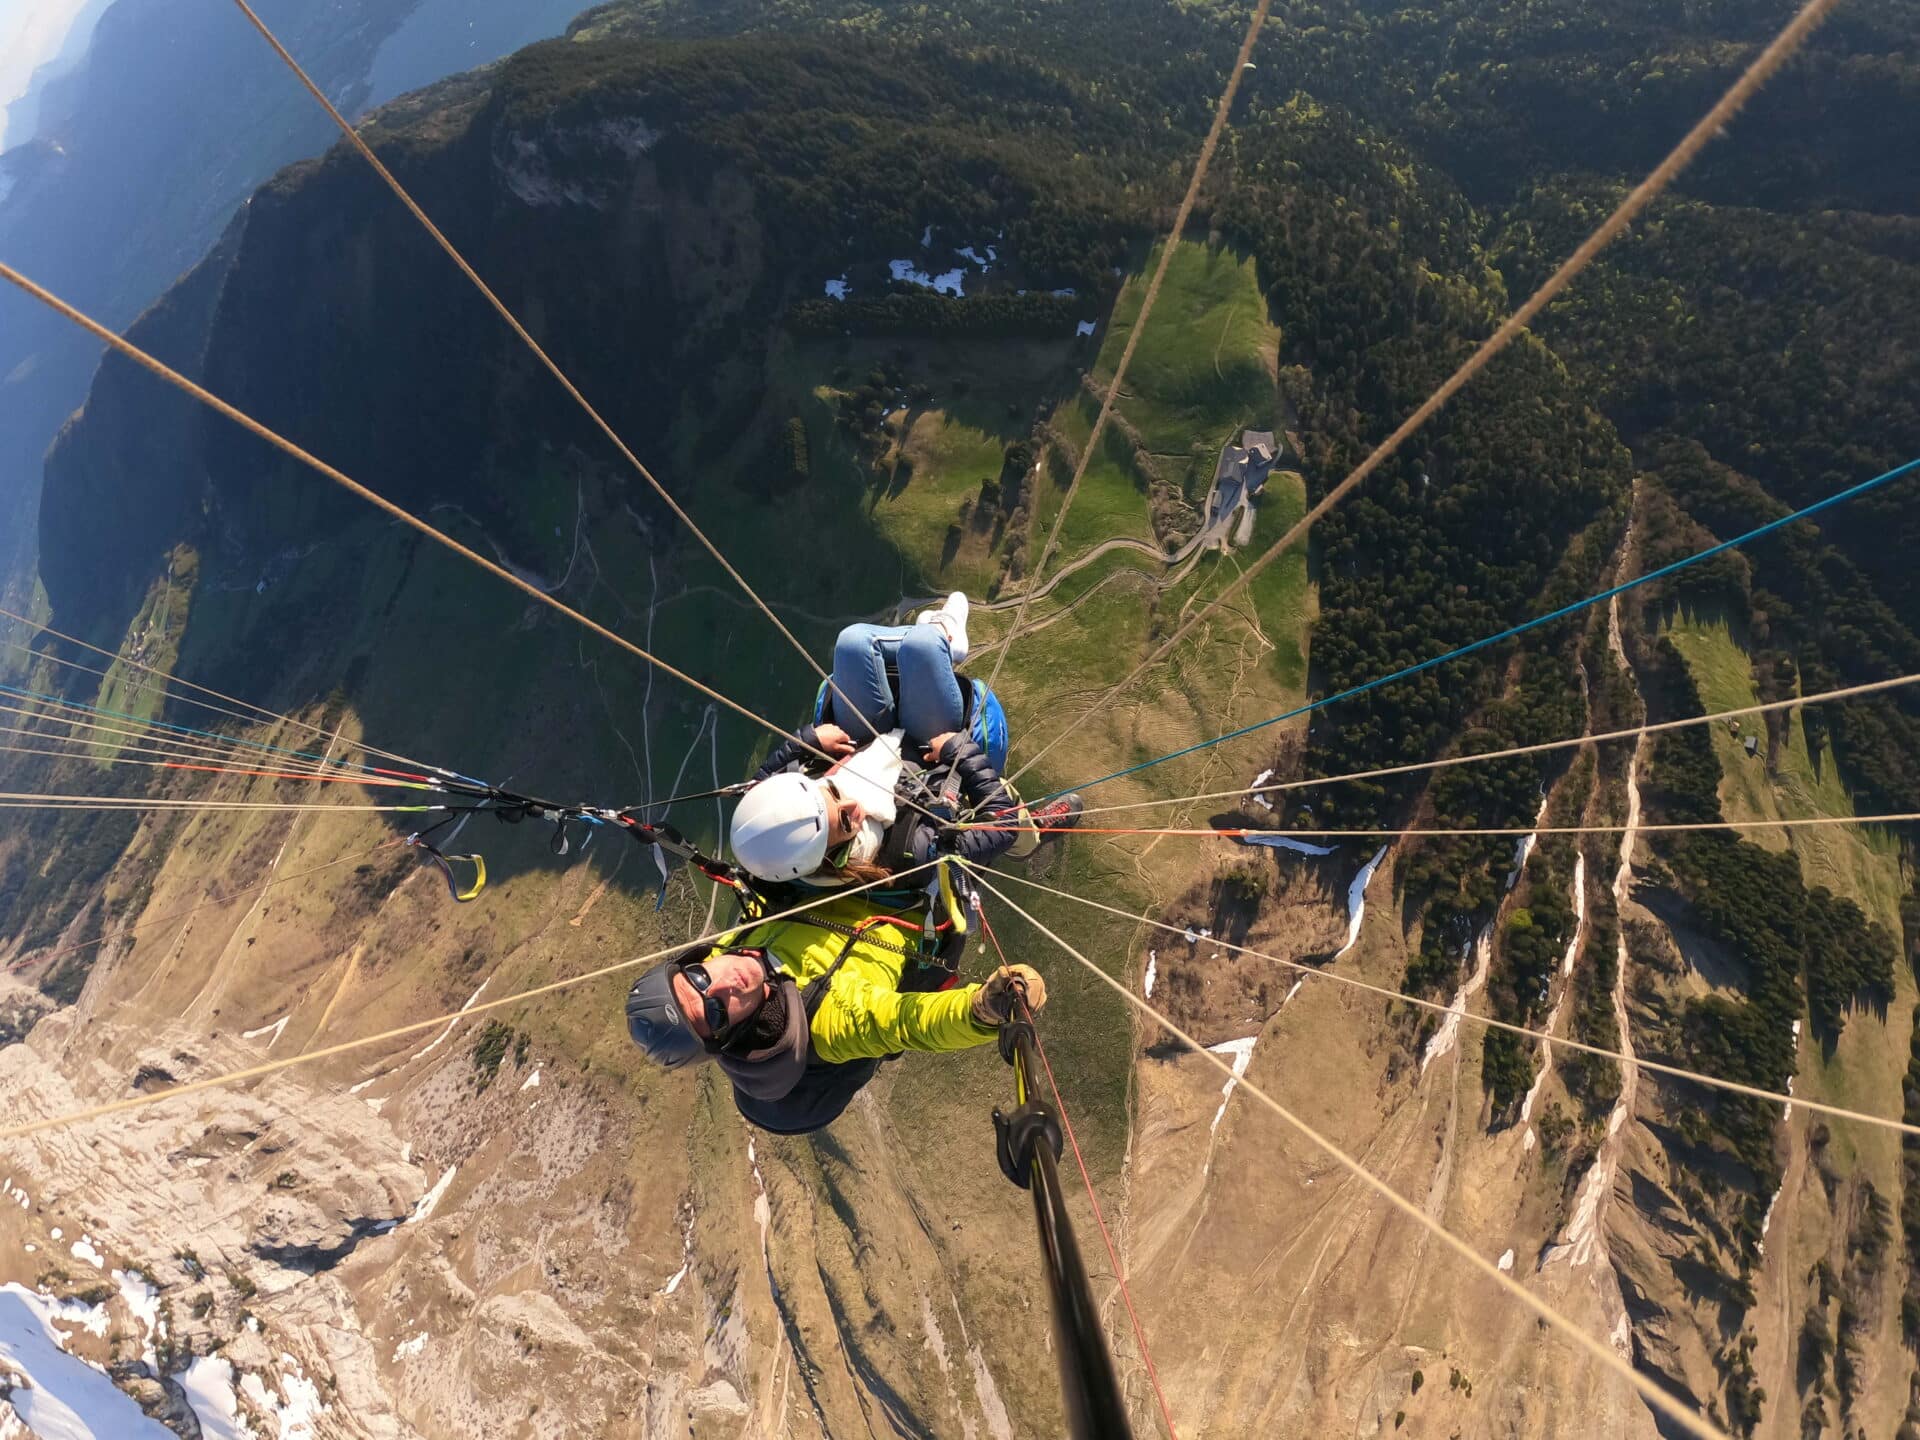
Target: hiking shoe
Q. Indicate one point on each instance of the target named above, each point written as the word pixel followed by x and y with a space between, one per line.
pixel 1056 815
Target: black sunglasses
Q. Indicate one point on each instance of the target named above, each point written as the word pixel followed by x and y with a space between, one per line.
pixel 838 855
pixel 714 1009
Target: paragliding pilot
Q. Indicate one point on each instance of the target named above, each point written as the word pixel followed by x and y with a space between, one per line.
pixel 801 1012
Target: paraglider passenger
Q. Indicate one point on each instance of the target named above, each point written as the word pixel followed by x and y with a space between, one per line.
pixel 915 744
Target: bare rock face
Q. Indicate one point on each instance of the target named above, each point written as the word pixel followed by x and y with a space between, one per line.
pixel 21 1007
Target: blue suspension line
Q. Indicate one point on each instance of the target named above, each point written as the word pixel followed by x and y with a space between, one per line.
pixel 1838 498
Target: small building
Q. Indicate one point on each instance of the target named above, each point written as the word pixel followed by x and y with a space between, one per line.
pixel 1260 452
pixel 1242 470
pixel 1753 746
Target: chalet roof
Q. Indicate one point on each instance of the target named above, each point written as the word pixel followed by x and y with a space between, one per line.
pixel 1233 462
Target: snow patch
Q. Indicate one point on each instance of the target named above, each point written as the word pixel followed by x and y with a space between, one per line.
pixel 1242 1053
pixel 686 1250
pixel 1524 847
pixel 1506 1261
pixel 83 1249
pixel 1579 913
pixel 968 253
pixel 300 1406
pixel 208 1383
pixel 532 1082
pixel 1255 794
pixel 1192 937
pixel 949 282
pixel 1448 1035
pixel 1357 901
pixel 837 289
pixel 1786 1111
pixel 1287 842
pixel 1086 327
pixel 441 1038
pixel 59 1396
pixel 272 1029
pixel 407 1349
pixel 428 1202
pixel 143 1302
pixel 1153 970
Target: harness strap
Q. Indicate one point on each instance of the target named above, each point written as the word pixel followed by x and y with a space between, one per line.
pixel 816 991
pixel 443 863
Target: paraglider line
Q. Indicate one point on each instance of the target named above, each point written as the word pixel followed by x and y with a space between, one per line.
pixel 1656 1397
pixel 1778 51
pixel 1772 1097
pixel 1838 498
pixel 1791 703
pixel 167 680
pixel 1099 1218
pixel 28 961
pixel 1196 831
pixel 273 1067
pixel 387 507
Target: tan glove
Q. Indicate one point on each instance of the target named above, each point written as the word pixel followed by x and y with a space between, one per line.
pixel 993 1002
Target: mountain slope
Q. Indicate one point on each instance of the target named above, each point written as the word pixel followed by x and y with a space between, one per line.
pixel 667 215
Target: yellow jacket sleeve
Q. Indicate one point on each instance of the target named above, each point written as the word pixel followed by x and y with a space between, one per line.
pixel 863 1018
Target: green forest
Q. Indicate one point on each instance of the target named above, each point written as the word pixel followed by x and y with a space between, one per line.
pixel 1400 178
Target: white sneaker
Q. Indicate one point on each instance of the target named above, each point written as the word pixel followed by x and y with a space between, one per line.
pixel 951 617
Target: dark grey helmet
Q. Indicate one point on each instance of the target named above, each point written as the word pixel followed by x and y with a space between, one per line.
pixel 655 1021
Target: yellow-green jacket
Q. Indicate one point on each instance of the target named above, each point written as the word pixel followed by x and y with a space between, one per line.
pixel 863 1015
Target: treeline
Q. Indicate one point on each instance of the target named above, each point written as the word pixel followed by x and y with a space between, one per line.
pixel 1509 501
pixel 1793 380
pixel 1805 951
pixel 856 146
pixel 935 316
pixel 1498 94
pixel 1811 614
pixel 1533 942
pixel 1461 534
pixel 1756 899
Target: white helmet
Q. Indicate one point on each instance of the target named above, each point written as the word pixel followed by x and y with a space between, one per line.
pixel 780 828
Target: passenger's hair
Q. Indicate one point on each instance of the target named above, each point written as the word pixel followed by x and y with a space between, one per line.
pixel 856 872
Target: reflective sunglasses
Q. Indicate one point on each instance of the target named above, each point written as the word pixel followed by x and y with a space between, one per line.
pixel 714 1009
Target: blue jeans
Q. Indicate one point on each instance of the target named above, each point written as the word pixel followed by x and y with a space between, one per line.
pixel 929 701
